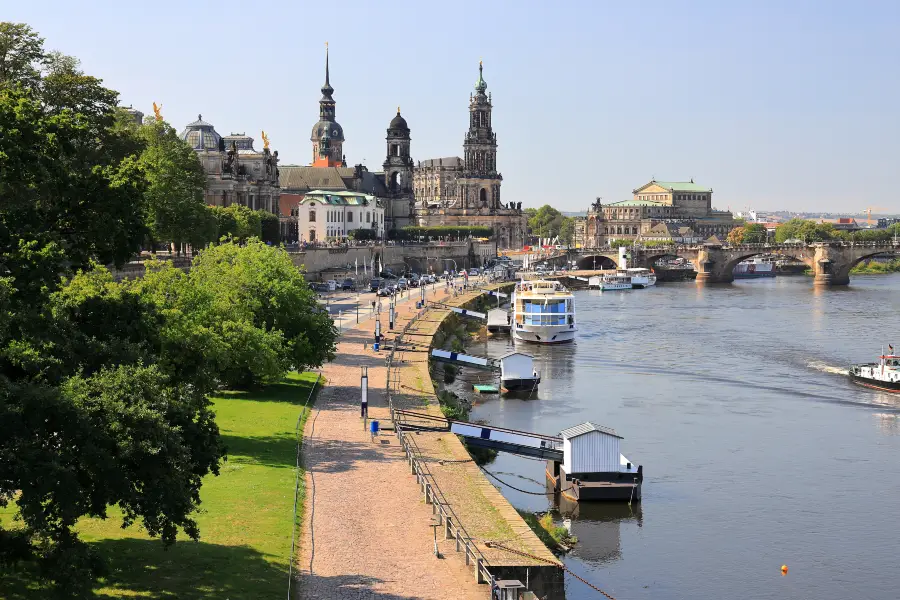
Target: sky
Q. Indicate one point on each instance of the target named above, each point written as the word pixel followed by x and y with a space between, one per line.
pixel 789 105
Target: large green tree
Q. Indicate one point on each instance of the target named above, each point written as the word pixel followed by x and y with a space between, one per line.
pixel 804 230
pixel 89 415
pixel 545 222
pixel 174 202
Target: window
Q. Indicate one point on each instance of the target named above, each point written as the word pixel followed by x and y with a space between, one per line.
pixel 368 217
pixel 312 215
pixel 349 217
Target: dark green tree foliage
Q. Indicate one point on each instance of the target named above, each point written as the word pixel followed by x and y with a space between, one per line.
pixel 270 227
pixel 89 414
pixel 175 210
pixel 363 234
pixel 754 233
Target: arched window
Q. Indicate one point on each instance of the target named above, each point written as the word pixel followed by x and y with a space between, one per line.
pixel 312 235
pixel 482 196
pixel 312 215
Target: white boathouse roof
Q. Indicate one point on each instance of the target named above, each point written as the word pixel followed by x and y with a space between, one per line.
pixel 588 427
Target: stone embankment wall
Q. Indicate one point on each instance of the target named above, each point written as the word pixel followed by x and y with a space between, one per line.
pixel 483 510
pixel 421 258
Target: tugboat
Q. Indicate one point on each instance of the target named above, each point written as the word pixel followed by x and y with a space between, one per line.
pixel 883 375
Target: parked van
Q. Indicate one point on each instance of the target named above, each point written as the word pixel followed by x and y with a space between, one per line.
pixel 332 285
pixel 376 283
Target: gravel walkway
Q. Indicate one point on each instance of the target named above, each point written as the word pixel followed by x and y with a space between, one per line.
pixel 366 532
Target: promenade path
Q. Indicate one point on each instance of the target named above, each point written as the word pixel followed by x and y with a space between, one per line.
pixel 366 531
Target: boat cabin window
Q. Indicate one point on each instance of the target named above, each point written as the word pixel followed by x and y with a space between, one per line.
pixel 892 362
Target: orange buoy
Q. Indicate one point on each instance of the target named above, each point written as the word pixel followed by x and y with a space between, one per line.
pixel 784 570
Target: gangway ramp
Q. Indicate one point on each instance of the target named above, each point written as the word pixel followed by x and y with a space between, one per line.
pixel 513 441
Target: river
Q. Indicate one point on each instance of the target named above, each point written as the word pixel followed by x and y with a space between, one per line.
pixel 757 450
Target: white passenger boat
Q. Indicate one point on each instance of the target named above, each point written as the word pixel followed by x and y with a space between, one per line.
pixel 640 277
pixel 610 282
pixel 543 312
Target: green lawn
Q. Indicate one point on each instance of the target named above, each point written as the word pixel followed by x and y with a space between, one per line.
pixel 245 519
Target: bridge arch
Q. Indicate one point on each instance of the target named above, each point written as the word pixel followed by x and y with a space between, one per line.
pixel 596 261
pixel 733 260
pixel 842 273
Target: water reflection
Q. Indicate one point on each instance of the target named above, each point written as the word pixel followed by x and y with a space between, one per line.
pixel 598 527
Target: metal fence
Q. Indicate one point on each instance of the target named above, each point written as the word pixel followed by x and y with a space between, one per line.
pixel 440 507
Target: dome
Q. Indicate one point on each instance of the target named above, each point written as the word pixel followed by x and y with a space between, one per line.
pixel 201 135
pixel 330 129
pixel 398 122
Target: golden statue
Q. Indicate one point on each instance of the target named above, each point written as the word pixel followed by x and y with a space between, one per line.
pixel 157 111
pixel 265 140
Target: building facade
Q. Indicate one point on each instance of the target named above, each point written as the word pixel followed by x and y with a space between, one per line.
pixel 465 192
pixel 236 173
pixel 391 189
pixel 325 215
pixel 680 210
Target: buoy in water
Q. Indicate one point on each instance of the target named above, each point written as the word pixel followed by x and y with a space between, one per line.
pixel 784 570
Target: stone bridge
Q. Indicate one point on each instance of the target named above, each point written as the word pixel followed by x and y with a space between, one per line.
pixel 830 262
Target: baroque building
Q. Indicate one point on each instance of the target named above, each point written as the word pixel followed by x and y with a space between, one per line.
pixel 466 191
pixel 328 172
pixel 679 211
pixel 236 173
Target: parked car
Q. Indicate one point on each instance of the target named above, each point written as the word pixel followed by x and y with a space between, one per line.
pixel 348 284
pixel 402 283
pixel 332 285
pixel 375 284
pixel 386 290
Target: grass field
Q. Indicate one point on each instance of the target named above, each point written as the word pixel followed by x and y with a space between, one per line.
pixel 245 517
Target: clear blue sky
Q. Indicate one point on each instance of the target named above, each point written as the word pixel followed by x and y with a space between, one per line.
pixel 773 104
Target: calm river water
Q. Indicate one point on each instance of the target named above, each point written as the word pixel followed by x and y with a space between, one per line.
pixel 757 450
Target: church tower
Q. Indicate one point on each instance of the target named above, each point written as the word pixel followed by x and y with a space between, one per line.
pixel 480 181
pixel 398 173
pixel 327 135
pixel 398 166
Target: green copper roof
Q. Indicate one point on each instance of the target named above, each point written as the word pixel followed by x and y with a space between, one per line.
pixel 635 203
pixel 682 186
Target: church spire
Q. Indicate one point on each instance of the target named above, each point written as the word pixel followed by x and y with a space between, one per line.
pixel 327 90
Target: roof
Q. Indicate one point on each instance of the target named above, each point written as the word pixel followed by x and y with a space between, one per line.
pixel 449 161
pixel 588 427
pixel 682 186
pixel 399 122
pixel 508 354
pixel 635 203
pixel 304 179
pixel 340 198
pixel 315 178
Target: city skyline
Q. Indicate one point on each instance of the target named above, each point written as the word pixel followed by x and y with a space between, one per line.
pixel 772 107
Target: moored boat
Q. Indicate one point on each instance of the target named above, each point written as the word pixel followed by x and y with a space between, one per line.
pixel 543 312
pixel 883 375
pixel 640 277
pixel 754 269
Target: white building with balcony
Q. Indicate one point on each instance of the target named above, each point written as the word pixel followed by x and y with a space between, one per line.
pixel 322 215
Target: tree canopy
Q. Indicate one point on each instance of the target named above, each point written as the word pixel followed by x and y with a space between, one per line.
pixel 104 384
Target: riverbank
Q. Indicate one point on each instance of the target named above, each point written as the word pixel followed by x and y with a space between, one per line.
pixel 245 518
pixel 366 529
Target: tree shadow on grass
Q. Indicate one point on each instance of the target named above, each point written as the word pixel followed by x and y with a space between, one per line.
pixel 271 451
pixel 186 571
pixel 287 390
